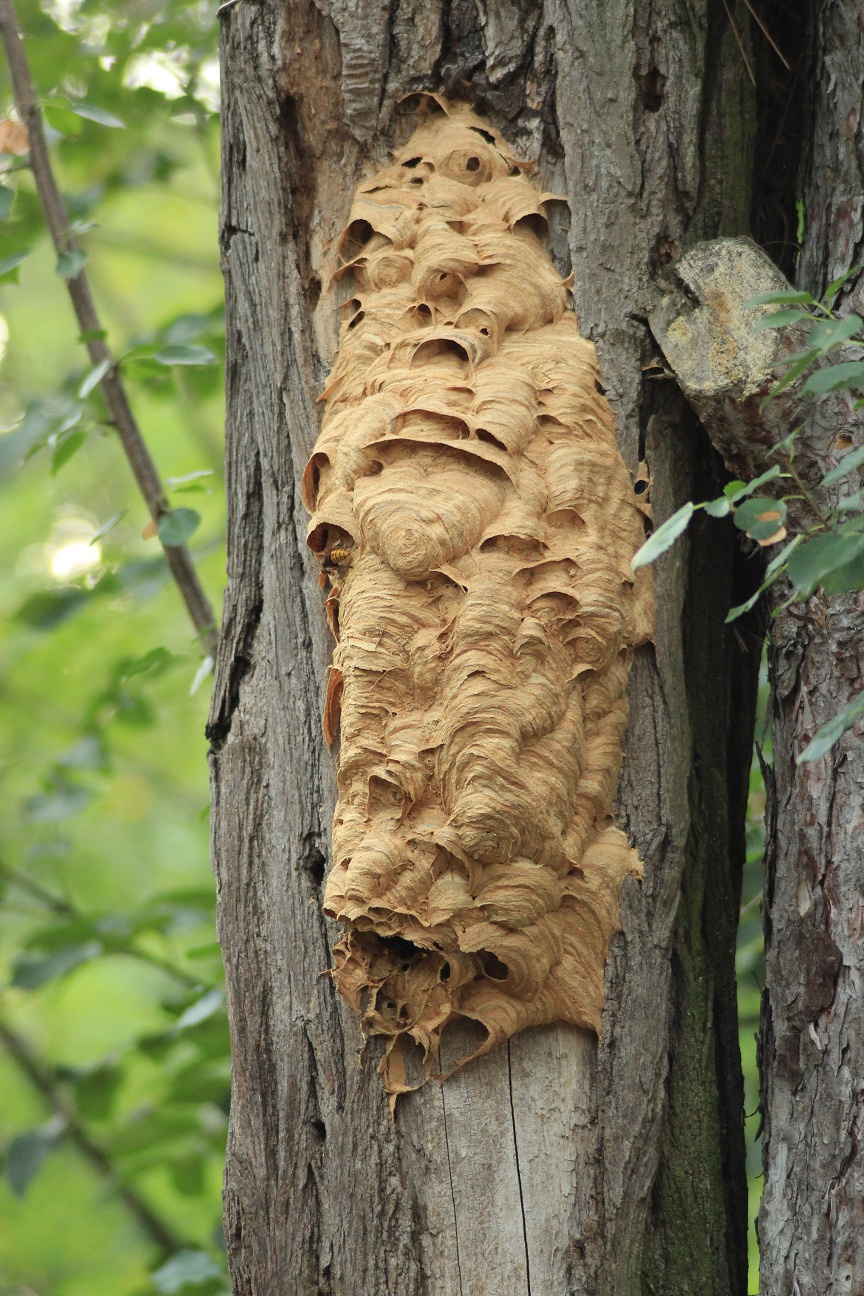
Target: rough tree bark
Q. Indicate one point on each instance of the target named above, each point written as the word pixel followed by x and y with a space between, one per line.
pixel 556 1165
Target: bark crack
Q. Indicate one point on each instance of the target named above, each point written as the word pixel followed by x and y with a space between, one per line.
pixel 452 1190
pixel 241 663
pixel 518 1169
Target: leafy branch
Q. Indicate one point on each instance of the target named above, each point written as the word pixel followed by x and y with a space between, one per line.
pixel 172 531
pixel 78 937
pixel 827 548
pixel 30 1149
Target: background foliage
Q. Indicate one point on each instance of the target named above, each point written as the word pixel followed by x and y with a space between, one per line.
pixel 107 939
pixel 114 1067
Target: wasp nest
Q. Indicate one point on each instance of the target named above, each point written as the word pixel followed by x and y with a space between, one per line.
pixel 476 523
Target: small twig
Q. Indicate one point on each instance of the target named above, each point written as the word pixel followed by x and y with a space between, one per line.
pixel 770 39
pixel 40 893
pixel 57 218
pixel 807 496
pixel 752 903
pixel 738 41
pixel 42 1079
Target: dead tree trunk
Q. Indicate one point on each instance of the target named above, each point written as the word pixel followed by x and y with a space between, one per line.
pixel 557 1164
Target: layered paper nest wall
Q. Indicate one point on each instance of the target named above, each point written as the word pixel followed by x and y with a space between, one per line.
pixel 475 523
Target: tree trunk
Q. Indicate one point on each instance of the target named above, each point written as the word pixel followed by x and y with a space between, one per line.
pixel 556 1164
pixel 811 1224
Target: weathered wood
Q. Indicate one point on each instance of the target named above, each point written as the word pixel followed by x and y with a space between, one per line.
pixel 537 1169
pixel 811 1224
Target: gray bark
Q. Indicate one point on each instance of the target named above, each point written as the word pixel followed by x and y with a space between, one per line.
pixel 557 1165
pixel 811 1223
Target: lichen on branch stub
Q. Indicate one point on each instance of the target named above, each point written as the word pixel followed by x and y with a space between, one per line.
pixel 475 524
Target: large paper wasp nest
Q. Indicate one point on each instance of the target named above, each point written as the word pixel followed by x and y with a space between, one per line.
pixel 476 523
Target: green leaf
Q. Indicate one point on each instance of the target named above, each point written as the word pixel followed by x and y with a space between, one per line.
pixel 154 662
pixel 26 1153
pixel 735 491
pixel 205 669
pixel 851 525
pixel 176 527
pixel 87 753
pixel 826 736
pixel 6 197
pixel 70 264
pixel 187 1174
pixel 189 477
pixel 851 502
pixel 734 613
pixel 207 1006
pixel 65 449
pixel 781 319
pixel 199 1082
pixel 9 265
pixel 93 379
pixel 212 950
pixel 94 114
pixel 778 298
pixel 771 573
pixel 93 335
pixel 143 1132
pixel 760 517
pixel 797 365
pixel 717 508
pixel 61 802
pixel 845 579
pixel 47 608
pixel 782 557
pixel 185 355
pixel 184 1270
pixel 29 970
pixel 96 1090
pixel 815 558
pixel 827 334
pixel 63 934
pixel 833 288
pixel 107 526
pixel 848 374
pixel 663 538
pixel 61 118
pixel 846 465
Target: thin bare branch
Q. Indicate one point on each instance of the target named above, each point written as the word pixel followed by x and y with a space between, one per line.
pixel 143 468
pixel 770 39
pixel 40 893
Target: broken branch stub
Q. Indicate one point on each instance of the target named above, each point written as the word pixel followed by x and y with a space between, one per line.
pixel 475 522
pixel 727 369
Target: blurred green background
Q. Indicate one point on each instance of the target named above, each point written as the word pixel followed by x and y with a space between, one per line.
pixel 114 1065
